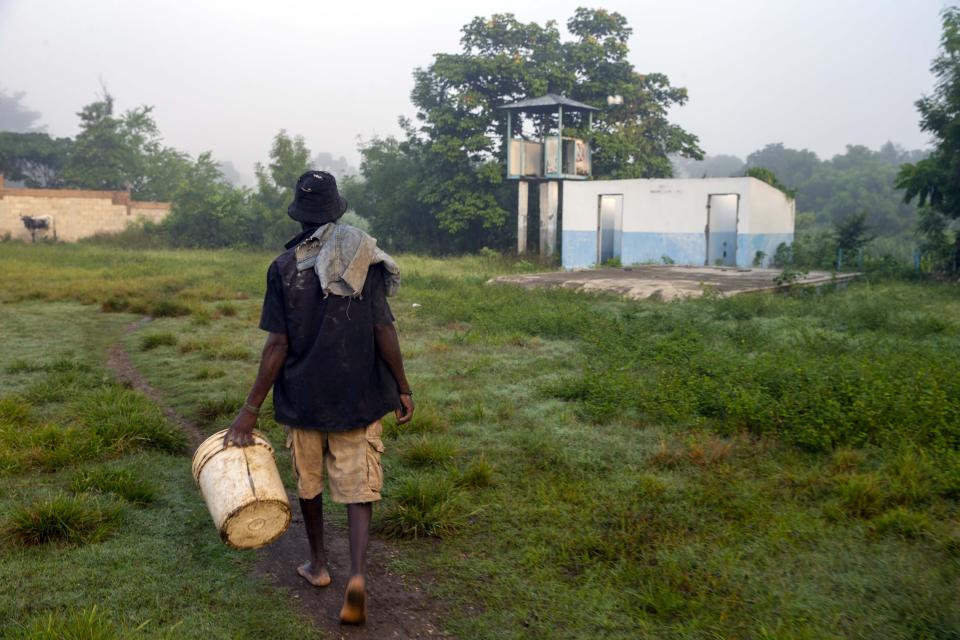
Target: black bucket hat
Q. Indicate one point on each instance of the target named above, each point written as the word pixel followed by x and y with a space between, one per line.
pixel 316 199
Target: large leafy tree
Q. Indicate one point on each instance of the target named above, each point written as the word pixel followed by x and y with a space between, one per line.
pixel 34 158
pixel 111 151
pixel 458 135
pixel 935 181
pixel 209 212
pixel 289 158
pixel 792 166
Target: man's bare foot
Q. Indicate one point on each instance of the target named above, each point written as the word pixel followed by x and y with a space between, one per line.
pixel 354 609
pixel 318 578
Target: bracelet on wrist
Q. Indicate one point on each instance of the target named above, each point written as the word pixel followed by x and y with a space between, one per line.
pixel 249 408
pixel 408 392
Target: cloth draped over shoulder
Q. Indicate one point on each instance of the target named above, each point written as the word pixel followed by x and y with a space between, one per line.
pixel 341 255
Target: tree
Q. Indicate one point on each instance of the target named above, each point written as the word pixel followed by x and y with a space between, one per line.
pixel 765 175
pixel 387 196
pixel 793 167
pixel 718 166
pixel 35 158
pixel 289 158
pixel 339 167
pixel 209 212
pixel 935 181
pixel 458 138
pixel 14 117
pixel 853 233
pixel 112 152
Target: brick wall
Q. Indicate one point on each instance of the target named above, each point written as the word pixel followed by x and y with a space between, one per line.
pixel 74 214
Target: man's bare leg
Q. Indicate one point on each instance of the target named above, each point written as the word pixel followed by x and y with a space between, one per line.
pixel 315 571
pixel 354 609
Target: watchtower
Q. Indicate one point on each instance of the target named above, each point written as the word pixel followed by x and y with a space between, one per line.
pixel 547 159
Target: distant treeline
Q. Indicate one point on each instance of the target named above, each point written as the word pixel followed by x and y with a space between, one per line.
pixel 860 181
pixel 440 188
pixel 125 152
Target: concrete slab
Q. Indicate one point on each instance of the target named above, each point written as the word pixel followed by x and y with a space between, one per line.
pixel 667 282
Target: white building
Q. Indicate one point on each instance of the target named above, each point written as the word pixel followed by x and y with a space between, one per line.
pixel 711 221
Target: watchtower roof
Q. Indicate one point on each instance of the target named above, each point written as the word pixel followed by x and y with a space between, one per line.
pixel 547 103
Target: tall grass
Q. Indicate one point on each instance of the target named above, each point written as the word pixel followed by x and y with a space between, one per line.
pixel 61 519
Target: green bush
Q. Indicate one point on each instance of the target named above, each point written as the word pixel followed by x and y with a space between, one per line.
pixel 121 482
pixel 477 474
pixel 154 340
pixel 820 370
pixel 422 505
pixel 61 519
pixel 426 451
pixel 87 624
pixel 123 420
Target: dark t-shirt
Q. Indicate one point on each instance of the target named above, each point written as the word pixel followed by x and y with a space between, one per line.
pixel 333 379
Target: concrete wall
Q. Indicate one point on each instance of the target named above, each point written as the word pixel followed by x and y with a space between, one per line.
pixel 75 213
pixel 668 218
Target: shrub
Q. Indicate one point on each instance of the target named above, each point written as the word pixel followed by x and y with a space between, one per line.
pixel 87 624
pixel 211 410
pixel 227 309
pixel 209 373
pixel 22 366
pixel 14 411
pixel 168 309
pixel 422 505
pixel 61 519
pixel 478 474
pixel 424 451
pixel 154 340
pixel 121 482
pixel 903 522
pixel 123 420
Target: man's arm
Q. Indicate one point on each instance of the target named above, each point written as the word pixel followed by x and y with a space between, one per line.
pixel 388 347
pixel 271 362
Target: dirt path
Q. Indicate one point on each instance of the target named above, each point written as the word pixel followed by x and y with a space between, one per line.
pixel 396 608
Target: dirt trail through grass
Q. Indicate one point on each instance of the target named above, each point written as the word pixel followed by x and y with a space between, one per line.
pixel 396 610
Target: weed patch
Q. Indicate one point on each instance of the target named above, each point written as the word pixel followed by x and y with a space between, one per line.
pixel 121 482
pixel 427 451
pixel 422 505
pixel 123 420
pixel 213 410
pixel 85 624
pixel 154 340
pixel 61 519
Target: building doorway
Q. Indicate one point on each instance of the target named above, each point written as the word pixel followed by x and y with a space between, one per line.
pixel 609 228
pixel 723 217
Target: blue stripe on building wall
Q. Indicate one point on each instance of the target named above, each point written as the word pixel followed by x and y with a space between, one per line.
pixel 579 248
pixel 749 244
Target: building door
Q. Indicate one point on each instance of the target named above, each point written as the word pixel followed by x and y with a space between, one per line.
pixel 609 228
pixel 721 231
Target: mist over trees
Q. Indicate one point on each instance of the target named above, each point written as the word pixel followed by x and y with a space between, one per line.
pixel 827 192
pixel 439 187
pixel 16 117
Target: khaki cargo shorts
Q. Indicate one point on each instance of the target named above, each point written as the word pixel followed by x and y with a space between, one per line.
pixel 352 460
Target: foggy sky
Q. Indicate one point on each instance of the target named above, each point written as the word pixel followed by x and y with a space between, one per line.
pixel 226 76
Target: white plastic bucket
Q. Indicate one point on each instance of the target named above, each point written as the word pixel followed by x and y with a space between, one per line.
pixel 243 491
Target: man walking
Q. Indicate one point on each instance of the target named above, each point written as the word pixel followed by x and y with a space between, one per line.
pixel 333 358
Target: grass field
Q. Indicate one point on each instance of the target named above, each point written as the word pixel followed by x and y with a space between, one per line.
pixel 758 467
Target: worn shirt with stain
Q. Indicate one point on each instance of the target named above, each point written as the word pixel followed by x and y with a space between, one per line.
pixel 333 379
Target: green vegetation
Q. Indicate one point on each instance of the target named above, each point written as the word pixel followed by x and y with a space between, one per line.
pixel 441 187
pixel 102 533
pixel 761 466
pixel 121 482
pixel 933 181
pixel 61 519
